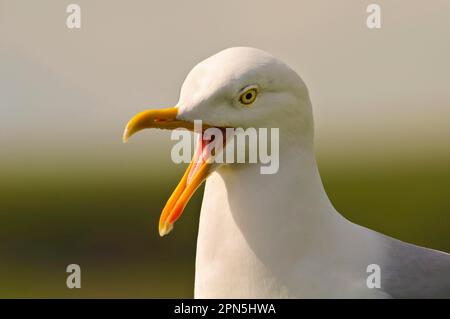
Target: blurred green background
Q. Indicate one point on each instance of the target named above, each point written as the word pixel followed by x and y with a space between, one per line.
pixel 71 192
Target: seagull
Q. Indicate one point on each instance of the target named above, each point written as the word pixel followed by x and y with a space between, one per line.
pixel 277 235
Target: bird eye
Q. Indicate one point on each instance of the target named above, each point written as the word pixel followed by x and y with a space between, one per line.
pixel 248 96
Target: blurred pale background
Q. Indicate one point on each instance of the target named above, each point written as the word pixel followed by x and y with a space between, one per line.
pixel 71 192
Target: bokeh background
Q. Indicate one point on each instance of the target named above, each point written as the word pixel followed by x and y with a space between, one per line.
pixel 71 192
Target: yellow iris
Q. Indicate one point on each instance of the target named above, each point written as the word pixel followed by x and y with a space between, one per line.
pixel 248 96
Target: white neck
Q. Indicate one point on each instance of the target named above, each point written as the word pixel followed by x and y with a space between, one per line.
pixel 249 232
pixel 258 202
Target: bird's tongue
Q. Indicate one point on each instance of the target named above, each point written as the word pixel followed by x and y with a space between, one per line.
pixel 200 157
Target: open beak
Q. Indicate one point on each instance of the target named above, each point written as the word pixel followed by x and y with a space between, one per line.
pixel 196 173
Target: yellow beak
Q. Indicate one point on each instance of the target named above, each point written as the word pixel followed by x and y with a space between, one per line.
pixel 162 119
pixel 196 173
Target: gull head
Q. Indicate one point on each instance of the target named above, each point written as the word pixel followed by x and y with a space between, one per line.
pixel 236 88
pixel 242 87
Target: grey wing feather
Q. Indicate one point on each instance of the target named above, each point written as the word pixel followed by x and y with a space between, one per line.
pixel 411 271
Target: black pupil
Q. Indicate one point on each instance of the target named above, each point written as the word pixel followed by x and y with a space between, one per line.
pixel 248 96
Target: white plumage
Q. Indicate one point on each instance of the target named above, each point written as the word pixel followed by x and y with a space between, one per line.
pixel 278 236
pixel 272 236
